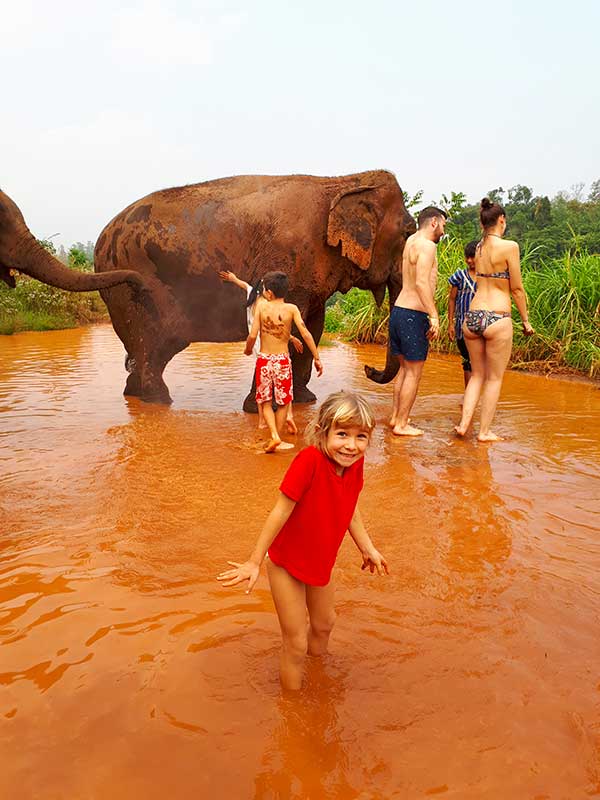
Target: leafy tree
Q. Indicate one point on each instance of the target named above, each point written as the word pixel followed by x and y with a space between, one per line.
pixel 411 202
pixel 48 245
pixel 594 195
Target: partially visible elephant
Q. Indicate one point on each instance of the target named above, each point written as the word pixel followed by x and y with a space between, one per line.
pixel 21 251
pixel 327 234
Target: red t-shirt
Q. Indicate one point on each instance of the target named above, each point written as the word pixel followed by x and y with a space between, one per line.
pixel 308 543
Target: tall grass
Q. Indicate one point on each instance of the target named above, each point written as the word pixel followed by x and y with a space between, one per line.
pixel 32 305
pixel 564 309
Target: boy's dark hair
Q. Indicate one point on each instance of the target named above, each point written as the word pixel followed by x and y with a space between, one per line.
pixel 276 282
pixel 430 213
pixel 471 249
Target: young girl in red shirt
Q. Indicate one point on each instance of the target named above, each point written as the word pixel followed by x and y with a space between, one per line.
pixel 317 504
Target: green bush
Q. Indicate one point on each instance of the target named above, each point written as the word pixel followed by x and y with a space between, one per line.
pixel 564 308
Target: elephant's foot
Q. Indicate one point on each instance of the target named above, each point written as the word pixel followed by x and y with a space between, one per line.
pixel 156 394
pixel 133 385
pixel 302 394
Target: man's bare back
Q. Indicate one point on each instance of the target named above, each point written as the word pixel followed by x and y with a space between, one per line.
pixel 419 274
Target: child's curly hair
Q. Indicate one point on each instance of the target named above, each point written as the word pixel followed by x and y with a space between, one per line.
pixel 343 409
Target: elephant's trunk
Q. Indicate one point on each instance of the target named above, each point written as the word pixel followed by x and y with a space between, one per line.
pixel 32 259
pixel 21 251
pixel 392 364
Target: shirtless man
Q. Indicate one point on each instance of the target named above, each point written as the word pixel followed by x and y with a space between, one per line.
pixel 414 319
pixel 273 321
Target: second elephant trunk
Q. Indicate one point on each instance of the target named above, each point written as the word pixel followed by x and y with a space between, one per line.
pixel 392 364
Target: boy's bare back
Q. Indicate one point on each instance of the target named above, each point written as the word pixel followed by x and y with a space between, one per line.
pixel 276 320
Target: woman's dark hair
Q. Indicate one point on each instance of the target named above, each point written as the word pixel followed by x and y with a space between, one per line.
pixel 471 248
pixel 254 293
pixel 490 213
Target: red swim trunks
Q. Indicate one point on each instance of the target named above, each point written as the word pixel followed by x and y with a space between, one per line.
pixel 274 375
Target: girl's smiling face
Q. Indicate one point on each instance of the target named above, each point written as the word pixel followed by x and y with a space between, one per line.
pixel 345 446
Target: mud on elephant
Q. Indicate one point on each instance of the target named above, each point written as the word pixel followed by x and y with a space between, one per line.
pixel 328 234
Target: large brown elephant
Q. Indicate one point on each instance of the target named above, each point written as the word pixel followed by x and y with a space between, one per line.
pixel 21 251
pixel 327 234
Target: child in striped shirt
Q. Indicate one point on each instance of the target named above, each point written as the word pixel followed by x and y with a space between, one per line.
pixel 462 288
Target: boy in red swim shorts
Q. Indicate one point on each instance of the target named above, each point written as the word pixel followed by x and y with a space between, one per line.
pixel 273 321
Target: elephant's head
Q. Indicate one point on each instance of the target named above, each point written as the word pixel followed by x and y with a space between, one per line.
pixel 371 223
pixel 20 251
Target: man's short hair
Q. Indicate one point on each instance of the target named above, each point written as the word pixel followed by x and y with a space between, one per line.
pixel 276 282
pixel 430 213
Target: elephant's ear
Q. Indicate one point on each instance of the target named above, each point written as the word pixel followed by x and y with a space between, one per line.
pixel 353 221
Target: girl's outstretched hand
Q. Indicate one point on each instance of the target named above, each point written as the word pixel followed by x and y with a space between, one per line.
pixel 248 571
pixel 227 276
pixel 373 560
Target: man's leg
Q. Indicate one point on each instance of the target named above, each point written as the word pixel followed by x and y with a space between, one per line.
pixel 289 596
pixel 407 397
pixel 397 389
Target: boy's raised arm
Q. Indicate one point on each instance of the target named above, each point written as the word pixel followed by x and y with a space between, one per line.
pixel 308 338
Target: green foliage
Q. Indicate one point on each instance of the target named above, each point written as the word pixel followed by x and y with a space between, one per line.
pixel 356 317
pixel 32 305
pixel 564 309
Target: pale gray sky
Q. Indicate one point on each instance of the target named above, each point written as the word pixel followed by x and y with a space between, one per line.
pixel 107 101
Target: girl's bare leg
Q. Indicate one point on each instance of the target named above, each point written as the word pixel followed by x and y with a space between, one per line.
pixel 290 421
pixel 476 348
pixel 319 600
pixel 289 596
pixel 497 349
pixel 261 417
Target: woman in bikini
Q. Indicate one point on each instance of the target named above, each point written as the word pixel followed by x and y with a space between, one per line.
pixel 488 326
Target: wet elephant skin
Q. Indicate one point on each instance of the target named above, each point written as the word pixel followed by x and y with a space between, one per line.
pixel 327 234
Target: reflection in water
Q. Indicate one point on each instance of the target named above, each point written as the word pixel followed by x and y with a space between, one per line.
pixel 478 527
pixel 305 756
pixel 119 647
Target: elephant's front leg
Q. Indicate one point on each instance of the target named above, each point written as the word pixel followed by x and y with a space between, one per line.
pixel 302 362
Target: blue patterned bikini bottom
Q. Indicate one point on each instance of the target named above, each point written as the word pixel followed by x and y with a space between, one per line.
pixel 477 321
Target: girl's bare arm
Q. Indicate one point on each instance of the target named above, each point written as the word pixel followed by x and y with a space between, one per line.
pixel 372 558
pixel 231 277
pixel 250 569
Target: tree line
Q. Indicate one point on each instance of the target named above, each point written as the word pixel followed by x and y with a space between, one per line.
pixel 544 227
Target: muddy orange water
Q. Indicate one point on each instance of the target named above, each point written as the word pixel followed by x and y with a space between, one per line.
pixel 126 671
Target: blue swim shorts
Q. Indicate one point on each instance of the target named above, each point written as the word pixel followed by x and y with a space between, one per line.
pixel 408 333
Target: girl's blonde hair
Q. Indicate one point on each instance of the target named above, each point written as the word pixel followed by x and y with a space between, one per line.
pixel 342 409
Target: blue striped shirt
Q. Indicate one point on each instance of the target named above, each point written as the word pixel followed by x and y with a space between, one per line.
pixel 466 289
